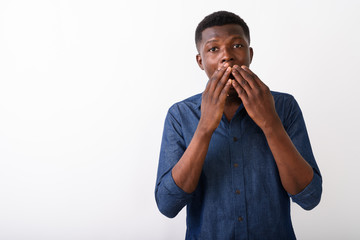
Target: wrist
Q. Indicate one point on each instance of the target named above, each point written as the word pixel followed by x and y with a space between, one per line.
pixel 272 126
pixel 203 130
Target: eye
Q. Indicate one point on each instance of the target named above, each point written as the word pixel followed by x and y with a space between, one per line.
pixel 238 46
pixel 213 49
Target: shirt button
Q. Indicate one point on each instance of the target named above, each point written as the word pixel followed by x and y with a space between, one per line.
pixel 237 191
pixel 235 139
pixel 240 219
pixel 236 165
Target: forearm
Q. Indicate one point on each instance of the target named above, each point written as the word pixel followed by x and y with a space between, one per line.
pixel 186 172
pixel 295 173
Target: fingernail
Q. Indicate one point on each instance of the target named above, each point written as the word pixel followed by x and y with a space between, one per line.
pixel 226 65
pixel 243 67
pixel 228 69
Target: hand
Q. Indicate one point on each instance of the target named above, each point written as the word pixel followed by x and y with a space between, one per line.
pixel 214 97
pixel 256 97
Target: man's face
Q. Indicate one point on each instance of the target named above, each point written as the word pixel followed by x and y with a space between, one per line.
pixel 221 44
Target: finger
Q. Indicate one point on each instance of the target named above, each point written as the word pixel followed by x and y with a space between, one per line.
pixel 250 78
pixel 240 90
pixel 224 92
pixel 216 77
pixel 221 84
pixel 240 79
pixel 254 80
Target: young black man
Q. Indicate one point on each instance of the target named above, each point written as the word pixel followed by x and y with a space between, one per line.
pixel 235 154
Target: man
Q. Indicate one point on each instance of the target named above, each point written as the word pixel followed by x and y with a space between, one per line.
pixel 235 154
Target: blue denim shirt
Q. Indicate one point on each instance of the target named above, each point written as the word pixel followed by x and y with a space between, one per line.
pixel 239 195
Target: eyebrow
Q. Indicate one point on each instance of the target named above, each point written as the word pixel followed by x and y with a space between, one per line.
pixel 210 41
pixel 237 38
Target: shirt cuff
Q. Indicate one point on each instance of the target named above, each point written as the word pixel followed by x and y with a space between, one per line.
pixel 173 189
pixel 171 198
pixel 310 196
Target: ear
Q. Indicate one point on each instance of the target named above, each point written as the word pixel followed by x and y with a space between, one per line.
pixel 251 53
pixel 199 61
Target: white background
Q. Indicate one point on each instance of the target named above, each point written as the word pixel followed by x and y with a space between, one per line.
pixel 85 87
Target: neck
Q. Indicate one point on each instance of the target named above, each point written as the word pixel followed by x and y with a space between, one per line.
pixel 231 105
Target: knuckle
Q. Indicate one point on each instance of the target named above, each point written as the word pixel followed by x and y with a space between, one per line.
pixel 257 91
pixel 220 84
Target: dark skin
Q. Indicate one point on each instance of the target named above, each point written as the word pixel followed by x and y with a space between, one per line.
pixel 224 53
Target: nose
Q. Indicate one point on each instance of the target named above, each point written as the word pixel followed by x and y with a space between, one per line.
pixel 226 56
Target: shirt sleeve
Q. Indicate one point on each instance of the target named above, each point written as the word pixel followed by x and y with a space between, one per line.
pixel 170 199
pixel 294 124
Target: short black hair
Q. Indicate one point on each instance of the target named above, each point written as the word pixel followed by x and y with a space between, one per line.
pixel 220 18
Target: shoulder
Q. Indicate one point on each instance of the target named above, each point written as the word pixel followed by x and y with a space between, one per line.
pixel 281 96
pixel 286 106
pixel 284 101
pixel 184 114
pixel 189 104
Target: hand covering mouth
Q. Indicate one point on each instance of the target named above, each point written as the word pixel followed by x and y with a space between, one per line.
pixel 231 76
